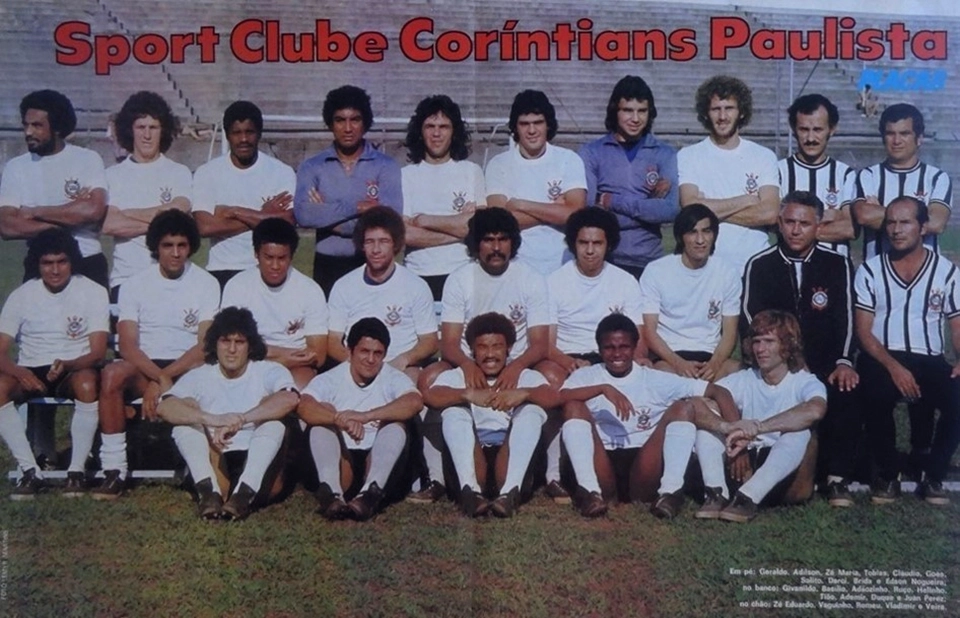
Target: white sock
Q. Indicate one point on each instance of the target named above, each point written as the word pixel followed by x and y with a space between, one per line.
pixel 113 452
pixel 677 445
pixel 83 429
pixel 192 443
pixel 325 448
pixel 785 457
pixel 710 450
pixel 578 438
pixel 264 446
pixel 14 432
pixel 461 442
pixel 525 428
pixel 386 450
pixel 432 444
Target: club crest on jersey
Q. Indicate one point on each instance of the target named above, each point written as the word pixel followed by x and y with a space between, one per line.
pixel 293 326
pixel 191 318
pixel 652 177
pixel 618 309
pixel 713 313
pixel 518 314
pixel 753 185
pixel 393 315
pixel 553 189
pixel 459 200
pixel 71 188
pixel 935 301
pixel 832 198
pixel 373 190
pixel 166 195
pixel 643 419
pixel 76 326
pixel 819 300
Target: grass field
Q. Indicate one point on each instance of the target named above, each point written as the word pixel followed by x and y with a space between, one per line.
pixel 147 555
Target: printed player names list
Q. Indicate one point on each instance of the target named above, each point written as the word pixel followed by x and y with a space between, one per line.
pixel 842 589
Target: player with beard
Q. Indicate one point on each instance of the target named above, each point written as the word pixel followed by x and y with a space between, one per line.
pixel 55 184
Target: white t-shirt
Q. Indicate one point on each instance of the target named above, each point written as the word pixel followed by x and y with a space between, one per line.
pixel 337 388
pixel 650 391
pixel 759 400
pixel 721 174
pixel 142 185
pixel 691 302
pixel 491 425
pixel 520 293
pixel 54 180
pixel 403 303
pixel 220 182
pixel 578 303
pixel 543 179
pixel 216 394
pixel 48 326
pixel 287 314
pixel 441 189
pixel 168 312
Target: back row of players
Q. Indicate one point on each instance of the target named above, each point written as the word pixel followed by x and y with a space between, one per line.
pixel 686 305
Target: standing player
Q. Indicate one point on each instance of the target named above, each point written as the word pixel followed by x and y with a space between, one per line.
pixel 165 310
pixel 734 177
pixel 55 184
pixel 59 323
pixel 902 173
pixel 539 183
pixel 618 432
pixel 770 449
pixel 633 174
pixel 813 120
pixel 903 297
pixel 340 183
pixel 143 184
pixel 507 421
pixel 229 411
pixel 441 191
pixel 691 301
pixel 356 413
pixel 289 307
pixel 237 191
pixel 383 289
pixel 798 276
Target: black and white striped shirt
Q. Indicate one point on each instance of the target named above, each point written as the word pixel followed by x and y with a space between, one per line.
pixel 834 182
pixel 924 182
pixel 908 315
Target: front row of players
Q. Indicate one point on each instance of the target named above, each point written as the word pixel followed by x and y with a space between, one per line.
pixel 629 430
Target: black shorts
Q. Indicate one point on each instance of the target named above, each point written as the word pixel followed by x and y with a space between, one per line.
pixel 55 388
pixel 696 357
pixel 592 357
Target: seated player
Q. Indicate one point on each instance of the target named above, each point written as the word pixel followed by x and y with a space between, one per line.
pixel 164 312
pixel 356 413
pixel 289 307
pixel 388 291
pixel 769 450
pixel 582 292
pixel 59 321
pixel 691 301
pixel 616 430
pixel 504 421
pixel 229 408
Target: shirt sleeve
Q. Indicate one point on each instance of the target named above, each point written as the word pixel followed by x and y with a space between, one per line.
pixel 530 378
pixel 322 388
pixel 11 193
pixel 942 189
pixel 633 300
pixel 811 389
pixel 537 300
pixel 574 174
pixel 318 314
pixel 210 298
pixel 98 309
pixel 866 183
pixel 204 189
pixel 769 175
pixel 338 309
pixel 863 285
pixel 278 378
pixel 189 385
pixel 11 315
pixel 732 292
pixel 451 378
pixel 650 295
pixel 424 315
pixel 453 299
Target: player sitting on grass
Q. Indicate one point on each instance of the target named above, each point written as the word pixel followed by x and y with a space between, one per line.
pixel 770 450
pixel 230 407
pixel 502 425
pixel 60 323
pixel 356 412
pixel 616 430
